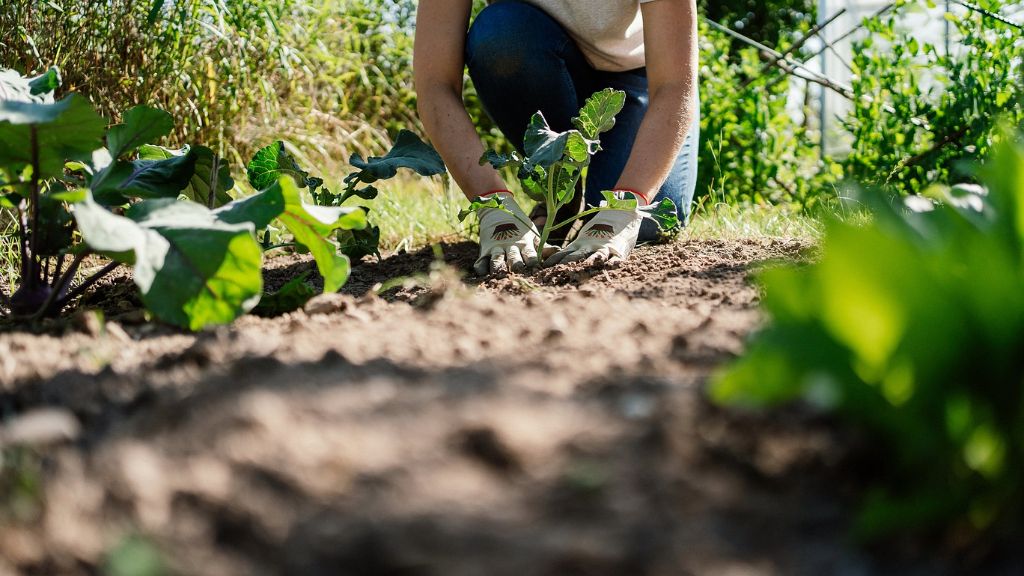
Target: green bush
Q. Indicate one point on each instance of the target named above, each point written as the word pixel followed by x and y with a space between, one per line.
pixel 942 108
pixel 912 329
pixel 752 149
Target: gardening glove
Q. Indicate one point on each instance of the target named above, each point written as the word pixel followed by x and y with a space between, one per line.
pixel 609 237
pixel 505 241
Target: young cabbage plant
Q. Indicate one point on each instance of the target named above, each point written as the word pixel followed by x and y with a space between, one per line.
pixel 408 151
pixel 554 164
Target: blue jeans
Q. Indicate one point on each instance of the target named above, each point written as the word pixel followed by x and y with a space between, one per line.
pixel 521 61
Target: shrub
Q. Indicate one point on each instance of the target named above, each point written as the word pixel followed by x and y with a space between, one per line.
pixel 911 328
pixel 920 113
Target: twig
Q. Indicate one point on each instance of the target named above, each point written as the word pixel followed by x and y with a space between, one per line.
pixel 989 14
pixel 945 141
pixel 81 288
pixel 787 64
pixel 795 46
pixel 850 32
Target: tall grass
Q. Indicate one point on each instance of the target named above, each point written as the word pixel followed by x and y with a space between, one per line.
pixel 332 75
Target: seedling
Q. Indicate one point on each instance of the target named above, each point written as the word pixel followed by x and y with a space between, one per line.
pixel 556 161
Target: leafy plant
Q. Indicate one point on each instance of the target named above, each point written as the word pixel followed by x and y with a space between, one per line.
pixel 194 264
pixel 921 112
pixel 555 161
pixel 912 327
pixel 408 151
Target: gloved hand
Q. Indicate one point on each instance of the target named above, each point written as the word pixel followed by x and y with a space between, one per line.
pixel 609 237
pixel 505 241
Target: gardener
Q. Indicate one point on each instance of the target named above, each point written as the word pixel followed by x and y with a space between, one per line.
pixel 550 55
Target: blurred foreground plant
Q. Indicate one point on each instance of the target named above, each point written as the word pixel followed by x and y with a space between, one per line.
pixel 912 328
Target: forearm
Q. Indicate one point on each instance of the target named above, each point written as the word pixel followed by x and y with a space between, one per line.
pixel 669 116
pixel 452 132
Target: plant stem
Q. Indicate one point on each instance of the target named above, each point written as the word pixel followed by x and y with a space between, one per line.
pixel 59 287
pixel 34 208
pixel 214 174
pixel 81 288
pixel 577 217
pixel 58 269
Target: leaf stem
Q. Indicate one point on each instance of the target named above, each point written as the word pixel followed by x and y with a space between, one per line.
pixel 60 286
pixel 81 288
pixel 578 216
pixel 58 269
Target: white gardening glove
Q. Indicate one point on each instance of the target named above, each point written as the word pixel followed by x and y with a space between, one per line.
pixel 609 237
pixel 505 241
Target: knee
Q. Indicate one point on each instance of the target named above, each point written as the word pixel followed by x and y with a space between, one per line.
pixel 505 37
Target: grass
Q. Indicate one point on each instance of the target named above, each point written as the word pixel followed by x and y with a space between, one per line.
pixel 8 252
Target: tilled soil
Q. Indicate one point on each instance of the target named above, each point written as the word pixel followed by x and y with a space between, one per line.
pixel 551 424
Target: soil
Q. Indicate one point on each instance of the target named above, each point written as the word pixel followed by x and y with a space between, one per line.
pixel 549 424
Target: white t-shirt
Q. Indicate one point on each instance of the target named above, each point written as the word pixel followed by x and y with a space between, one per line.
pixel 609 32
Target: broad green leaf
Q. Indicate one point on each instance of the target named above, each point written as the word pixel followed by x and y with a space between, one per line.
pixel 141 125
pixel 543 145
pixel 15 87
pixel 198 189
pixel 598 113
pixel 145 179
pixel 310 225
pixel 65 129
pixel 192 269
pixel 270 164
pixel 408 152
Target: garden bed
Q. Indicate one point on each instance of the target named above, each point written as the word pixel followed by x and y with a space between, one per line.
pixel 548 424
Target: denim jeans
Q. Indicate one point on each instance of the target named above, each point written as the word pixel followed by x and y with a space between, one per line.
pixel 521 60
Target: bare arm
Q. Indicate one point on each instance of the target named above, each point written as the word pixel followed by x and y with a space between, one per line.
pixel 438 63
pixel 670 39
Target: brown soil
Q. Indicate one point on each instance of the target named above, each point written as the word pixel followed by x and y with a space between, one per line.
pixel 548 424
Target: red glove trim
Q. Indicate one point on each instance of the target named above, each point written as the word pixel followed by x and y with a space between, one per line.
pixel 499 191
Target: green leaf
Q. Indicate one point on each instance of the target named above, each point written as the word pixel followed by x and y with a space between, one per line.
pixel 141 125
pixel 288 298
pixel 198 189
pixel 192 269
pixel 478 204
pixel 56 227
pixel 271 163
pixel 65 129
pixel 45 83
pixel 408 152
pixel 146 179
pixel 615 202
pixel 598 113
pixel 15 87
pixel 499 161
pixel 666 214
pixel 309 224
pixel 359 243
